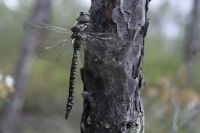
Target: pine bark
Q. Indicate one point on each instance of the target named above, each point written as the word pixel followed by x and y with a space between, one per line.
pixel 11 118
pixel 113 79
pixel 192 36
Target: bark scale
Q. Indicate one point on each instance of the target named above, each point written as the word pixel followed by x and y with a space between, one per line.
pixel 113 79
pixel 192 36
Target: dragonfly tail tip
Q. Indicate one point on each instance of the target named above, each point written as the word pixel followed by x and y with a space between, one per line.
pixel 66 116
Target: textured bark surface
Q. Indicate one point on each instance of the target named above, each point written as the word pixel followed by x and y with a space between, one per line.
pixel 41 14
pixel 113 79
pixel 192 36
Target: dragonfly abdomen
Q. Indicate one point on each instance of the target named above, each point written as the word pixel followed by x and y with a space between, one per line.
pixel 72 80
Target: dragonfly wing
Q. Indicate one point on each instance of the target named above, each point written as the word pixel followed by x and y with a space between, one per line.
pixel 54 43
pixel 100 43
pixel 45 27
pixel 49 33
pixel 59 52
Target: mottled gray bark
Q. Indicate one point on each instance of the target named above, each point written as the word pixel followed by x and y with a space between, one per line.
pixel 10 121
pixel 192 36
pixel 113 78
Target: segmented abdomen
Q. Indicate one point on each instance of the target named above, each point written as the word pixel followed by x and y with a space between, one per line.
pixel 72 81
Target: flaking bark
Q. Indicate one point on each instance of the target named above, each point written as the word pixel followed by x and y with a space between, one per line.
pixel 192 35
pixel 112 80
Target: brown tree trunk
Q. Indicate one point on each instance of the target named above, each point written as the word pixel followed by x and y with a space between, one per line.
pixel 41 14
pixel 192 36
pixel 113 79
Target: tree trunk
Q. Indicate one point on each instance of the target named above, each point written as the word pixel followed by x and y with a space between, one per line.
pixel 41 14
pixel 113 78
pixel 192 36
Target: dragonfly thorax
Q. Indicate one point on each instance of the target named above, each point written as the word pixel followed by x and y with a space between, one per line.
pixel 77 30
pixel 78 27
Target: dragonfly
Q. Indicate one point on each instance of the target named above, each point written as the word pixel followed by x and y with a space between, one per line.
pixel 81 37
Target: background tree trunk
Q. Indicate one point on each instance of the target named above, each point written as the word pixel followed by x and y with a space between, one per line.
pixel 112 80
pixel 41 14
pixel 192 36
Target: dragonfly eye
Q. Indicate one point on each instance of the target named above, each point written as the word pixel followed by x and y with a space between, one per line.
pixel 84 13
pixel 83 17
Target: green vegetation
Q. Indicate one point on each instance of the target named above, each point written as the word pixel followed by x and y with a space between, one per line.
pixel 48 83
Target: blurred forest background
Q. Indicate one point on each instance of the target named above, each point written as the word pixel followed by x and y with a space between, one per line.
pixel 171 68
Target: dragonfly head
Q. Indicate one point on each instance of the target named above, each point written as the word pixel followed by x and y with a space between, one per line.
pixel 83 17
pixel 81 23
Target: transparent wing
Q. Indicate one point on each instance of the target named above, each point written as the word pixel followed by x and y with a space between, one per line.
pixel 56 51
pixel 48 33
pixel 55 46
pixel 54 43
pixel 99 44
pixel 46 27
